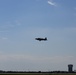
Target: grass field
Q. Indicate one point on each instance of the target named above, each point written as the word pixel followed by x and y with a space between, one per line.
pixel 39 74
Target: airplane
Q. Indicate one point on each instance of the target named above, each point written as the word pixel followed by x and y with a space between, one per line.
pixel 41 39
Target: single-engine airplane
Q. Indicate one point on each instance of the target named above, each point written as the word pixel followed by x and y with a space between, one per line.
pixel 41 39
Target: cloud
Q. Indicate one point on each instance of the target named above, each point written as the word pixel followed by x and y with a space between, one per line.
pixel 34 62
pixel 75 11
pixel 18 23
pixel 3 31
pixel 37 59
pixel 51 3
pixel 4 38
pixel 9 25
pixel 75 8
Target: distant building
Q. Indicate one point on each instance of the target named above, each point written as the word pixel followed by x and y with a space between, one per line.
pixel 70 68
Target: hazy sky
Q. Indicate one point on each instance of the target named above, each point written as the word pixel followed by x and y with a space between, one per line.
pixel 21 21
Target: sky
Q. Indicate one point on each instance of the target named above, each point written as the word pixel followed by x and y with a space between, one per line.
pixel 21 21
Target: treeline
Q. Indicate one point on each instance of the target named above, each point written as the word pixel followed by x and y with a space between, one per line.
pixel 1 71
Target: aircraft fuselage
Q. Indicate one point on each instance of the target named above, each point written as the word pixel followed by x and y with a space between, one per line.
pixel 41 39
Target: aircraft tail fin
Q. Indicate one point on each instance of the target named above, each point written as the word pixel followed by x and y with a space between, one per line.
pixel 45 38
